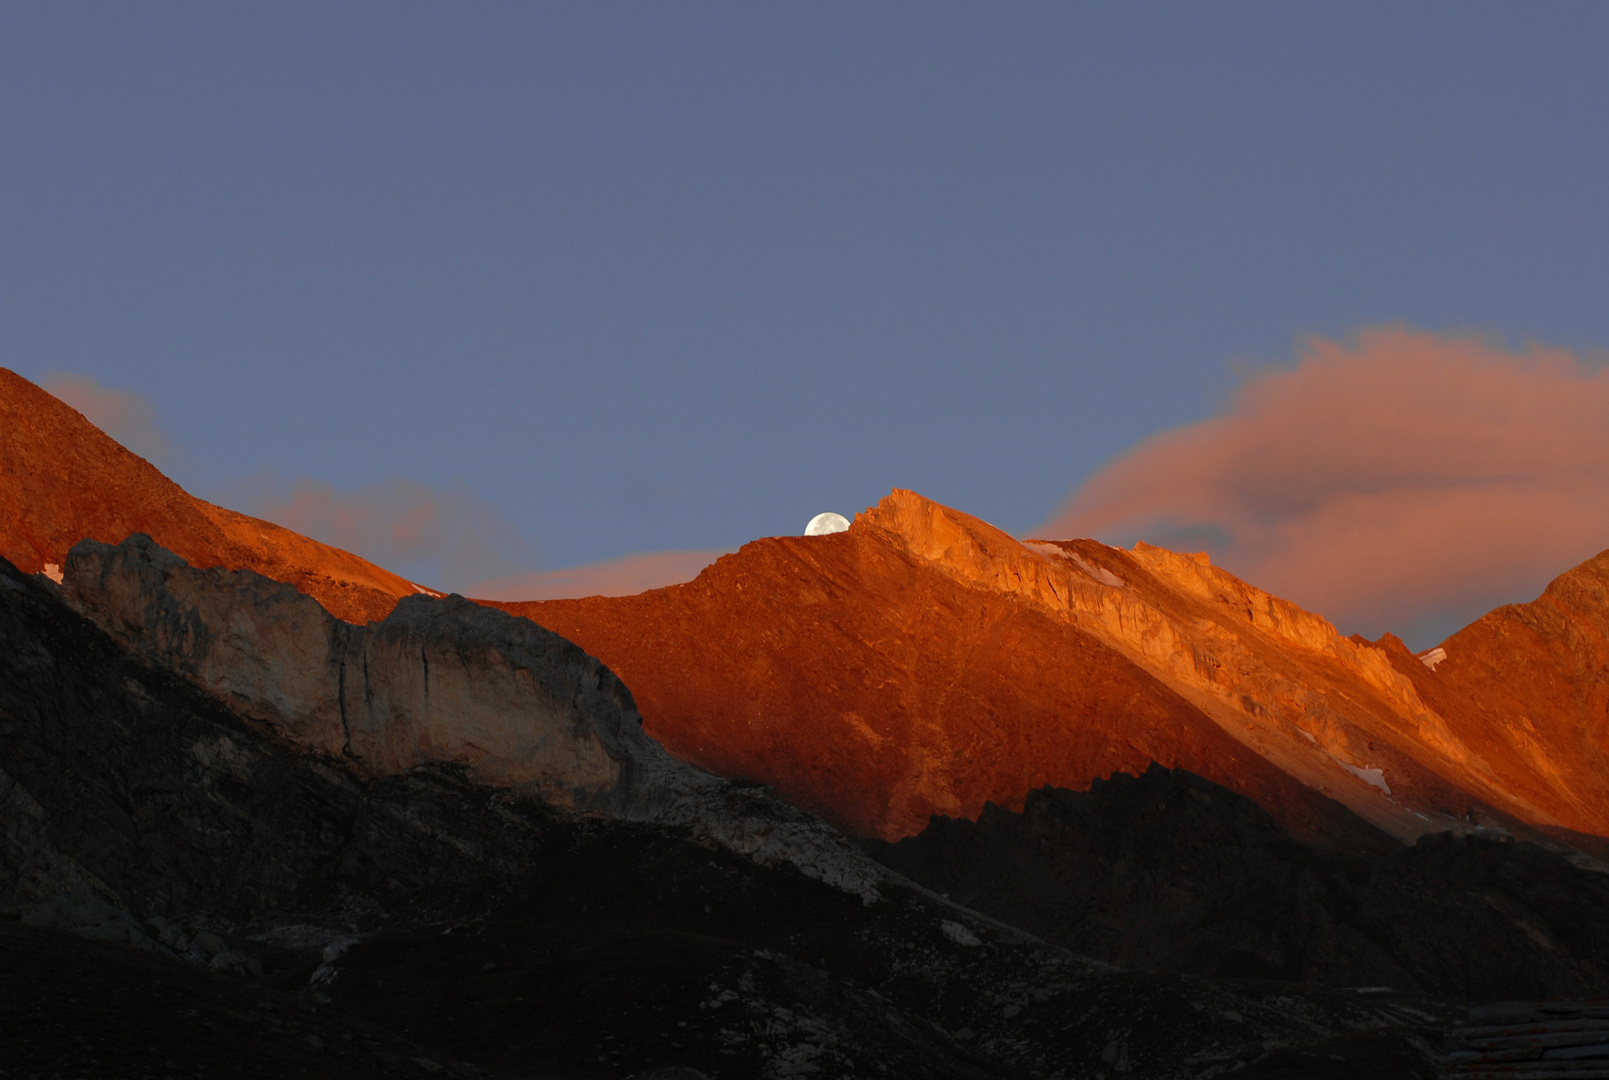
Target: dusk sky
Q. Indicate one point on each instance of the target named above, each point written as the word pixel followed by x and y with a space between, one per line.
pixel 591 280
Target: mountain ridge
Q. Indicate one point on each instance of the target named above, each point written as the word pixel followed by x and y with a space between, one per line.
pixel 1052 635
pixel 458 824
pixel 925 662
pixel 64 480
pixel 475 929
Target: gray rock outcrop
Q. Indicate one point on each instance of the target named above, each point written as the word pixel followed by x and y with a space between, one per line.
pixel 440 680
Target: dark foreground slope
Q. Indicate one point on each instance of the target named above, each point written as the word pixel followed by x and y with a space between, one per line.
pixel 418 922
pixel 1171 872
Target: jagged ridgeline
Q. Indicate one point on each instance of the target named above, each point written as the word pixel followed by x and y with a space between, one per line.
pixel 925 662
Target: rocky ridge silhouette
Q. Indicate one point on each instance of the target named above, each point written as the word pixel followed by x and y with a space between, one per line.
pixel 1168 871
pixel 926 663
pixel 205 764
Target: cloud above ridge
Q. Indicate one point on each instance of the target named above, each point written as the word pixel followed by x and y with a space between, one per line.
pixel 441 537
pixel 625 576
pixel 1402 481
pixel 126 416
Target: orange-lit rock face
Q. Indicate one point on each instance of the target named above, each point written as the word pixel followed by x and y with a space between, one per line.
pixel 866 688
pixel 62 480
pixel 1527 686
pixel 898 670
pixel 925 662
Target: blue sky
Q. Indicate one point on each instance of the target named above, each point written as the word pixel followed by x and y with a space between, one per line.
pixel 645 277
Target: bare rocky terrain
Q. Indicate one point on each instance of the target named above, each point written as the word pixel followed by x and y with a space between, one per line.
pixel 173 867
pixel 915 799
pixel 1171 872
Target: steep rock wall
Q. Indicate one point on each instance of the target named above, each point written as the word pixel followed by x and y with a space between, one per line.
pixel 1527 686
pixel 1333 712
pixel 439 680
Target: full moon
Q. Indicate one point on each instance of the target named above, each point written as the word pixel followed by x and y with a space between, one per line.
pixel 822 524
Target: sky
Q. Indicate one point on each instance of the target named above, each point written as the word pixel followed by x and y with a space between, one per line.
pixel 488 290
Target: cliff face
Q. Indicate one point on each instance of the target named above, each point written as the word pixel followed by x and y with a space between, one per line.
pixel 925 662
pixel 437 680
pixel 62 480
pixel 440 681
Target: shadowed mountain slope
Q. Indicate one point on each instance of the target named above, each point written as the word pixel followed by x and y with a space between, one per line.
pixel 1170 872
pixel 439 680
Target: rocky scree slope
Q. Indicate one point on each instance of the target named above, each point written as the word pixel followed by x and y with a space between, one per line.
pixel 62 479
pixel 418 916
pixel 1171 872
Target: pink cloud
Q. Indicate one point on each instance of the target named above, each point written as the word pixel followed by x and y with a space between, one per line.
pixel 443 537
pixel 1388 482
pixel 126 416
pixel 625 576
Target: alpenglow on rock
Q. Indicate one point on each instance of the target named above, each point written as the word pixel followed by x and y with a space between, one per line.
pixel 438 680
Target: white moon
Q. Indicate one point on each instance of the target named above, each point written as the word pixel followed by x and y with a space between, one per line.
pixel 822 524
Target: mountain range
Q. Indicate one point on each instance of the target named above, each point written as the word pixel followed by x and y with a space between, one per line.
pixel 896 799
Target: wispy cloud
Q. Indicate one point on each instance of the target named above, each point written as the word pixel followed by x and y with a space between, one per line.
pixel 625 576
pixel 443 537
pixel 1404 480
pixel 448 538
pixel 125 415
